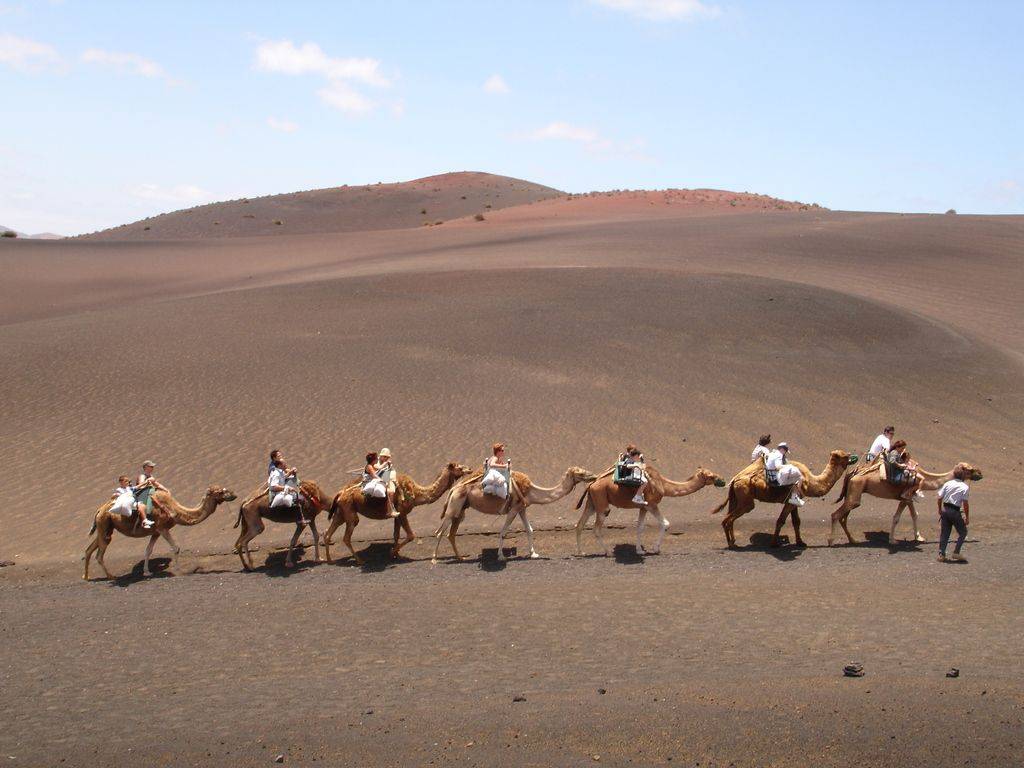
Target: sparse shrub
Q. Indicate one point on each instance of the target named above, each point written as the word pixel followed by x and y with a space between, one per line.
pixel 10 233
pixel 487 206
pixel 278 222
pixel 423 211
pixel 479 217
pixel 216 223
pixel 463 197
pixel 951 212
pixel 248 215
pixel 732 203
pixel 438 223
pixel 145 229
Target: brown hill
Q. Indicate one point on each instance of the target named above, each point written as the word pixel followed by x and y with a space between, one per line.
pixel 430 200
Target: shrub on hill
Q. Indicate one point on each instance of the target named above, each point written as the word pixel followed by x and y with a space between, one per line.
pixel 10 233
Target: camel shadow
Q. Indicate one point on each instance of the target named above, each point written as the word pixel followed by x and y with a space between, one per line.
pixel 784 552
pixel 274 565
pixel 489 558
pixel 377 557
pixel 158 565
pixel 880 539
pixel 626 554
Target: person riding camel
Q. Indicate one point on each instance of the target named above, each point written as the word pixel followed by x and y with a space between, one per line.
pixel 283 484
pixel 494 482
pixel 761 450
pixel 386 471
pixel 145 486
pixel 372 485
pixel 882 444
pixel 784 474
pixel 903 471
pixel 635 459
pixel 126 503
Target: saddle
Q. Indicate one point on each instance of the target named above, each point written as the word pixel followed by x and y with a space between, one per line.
pixel 627 475
pixel 771 477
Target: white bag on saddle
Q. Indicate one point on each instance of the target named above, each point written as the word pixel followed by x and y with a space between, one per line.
pixel 494 483
pixel 124 504
pixel 375 489
pixel 789 475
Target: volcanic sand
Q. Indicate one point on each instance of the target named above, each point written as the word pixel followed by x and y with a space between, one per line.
pixel 565 328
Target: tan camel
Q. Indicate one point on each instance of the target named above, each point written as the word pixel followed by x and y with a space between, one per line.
pixel 604 493
pixel 257 508
pixel 350 502
pixel 106 522
pixel 856 484
pixel 522 493
pixel 751 485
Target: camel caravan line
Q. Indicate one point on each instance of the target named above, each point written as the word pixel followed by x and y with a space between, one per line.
pixel 498 491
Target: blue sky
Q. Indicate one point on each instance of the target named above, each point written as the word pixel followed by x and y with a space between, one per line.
pixel 115 111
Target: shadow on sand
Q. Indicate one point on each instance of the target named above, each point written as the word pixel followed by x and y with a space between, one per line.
pixel 158 565
pixel 880 539
pixel 626 554
pixel 784 552
pixel 274 564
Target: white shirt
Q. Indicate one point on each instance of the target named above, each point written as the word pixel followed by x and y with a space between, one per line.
pixel 759 450
pixel 277 477
pixel 881 446
pixel 954 492
pixel 774 459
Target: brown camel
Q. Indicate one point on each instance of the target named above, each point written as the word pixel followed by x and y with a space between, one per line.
pixel 106 522
pixel 604 493
pixel 257 508
pixel 855 484
pixel 751 485
pixel 350 502
pixel 522 493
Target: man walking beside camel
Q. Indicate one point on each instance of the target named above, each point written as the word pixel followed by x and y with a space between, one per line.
pixel 954 512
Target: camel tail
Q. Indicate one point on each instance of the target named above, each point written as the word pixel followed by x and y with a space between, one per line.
pixel 846 483
pixel 729 499
pixel 583 496
pixel 333 510
pixel 93 529
pixel 238 520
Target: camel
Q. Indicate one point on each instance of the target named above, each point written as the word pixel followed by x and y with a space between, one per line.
pixel 350 503
pixel 522 493
pixel 603 493
pixel 855 484
pixel 257 508
pixel 106 522
pixel 751 485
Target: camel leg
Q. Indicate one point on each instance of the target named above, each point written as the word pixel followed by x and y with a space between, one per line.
pixel 796 527
pixel 175 549
pixel 663 525
pixel 917 531
pixel 350 526
pixel 895 521
pixel 328 537
pixel 316 540
pixel 512 514
pixel 410 537
pixel 442 529
pixel 453 531
pixel 149 551
pixel 289 561
pixel 249 532
pixel 846 527
pixel 529 533
pixel 102 542
pixel 839 514
pixel 581 524
pixel 640 519
pixel 599 516
pixel 93 546
pixel 781 521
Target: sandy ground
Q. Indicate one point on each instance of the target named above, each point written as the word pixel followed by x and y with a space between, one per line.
pixel 564 328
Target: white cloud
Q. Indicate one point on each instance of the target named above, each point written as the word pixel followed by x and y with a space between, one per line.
pixel 339 94
pixel 662 10
pixel 285 126
pixel 495 84
pixel 285 57
pixel 180 193
pixel 560 131
pixel 28 55
pixel 131 63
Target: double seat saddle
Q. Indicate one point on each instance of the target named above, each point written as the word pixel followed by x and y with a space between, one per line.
pixel 627 474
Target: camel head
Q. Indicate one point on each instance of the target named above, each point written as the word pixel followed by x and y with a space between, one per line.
pixel 710 478
pixel 457 470
pixel 844 459
pixel 970 471
pixel 219 494
pixel 312 491
pixel 580 475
